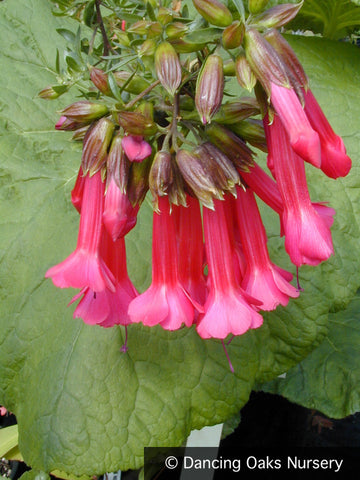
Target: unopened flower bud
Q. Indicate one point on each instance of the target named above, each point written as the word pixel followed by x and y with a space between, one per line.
pixel 140 27
pixel 257 6
pixel 244 74
pixel 233 112
pixel 214 12
pixel 100 80
pixel 233 35
pixel 154 30
pixel 164 15
pixel 209 88
pixel 168 68
pixel 184 46
pixel 161 174
pixel 66 124
pixel 252 131
pixel 264 61
pixel 95 146
pixel 230 144
pixel 176 30
pixel 48 93
pixel 146 109
pixel 229 68
pixel 136 123
pixel 279 15
pixel 136 85
pixel 147 49
pixel 79 133
pixel 84 111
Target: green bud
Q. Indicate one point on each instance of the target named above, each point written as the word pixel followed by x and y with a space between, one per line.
pixel 214 12
pixel 233 112
pixel 183 46
pixel 84 111
pixel 146 109
pixel 136 85
pixel 147 49
pixel 155 29
pixel 168 68
pixel 244 74
pixel 95 146
pixel 252 131
pixel 209 88
pixel 122 38
pixel 164 15
pixel 230 144
pixel 279 15
pixel 136 123
pixel 48 93
pixel 140 27
pixel 233 35
pixel 257 6
pixel 176 30
pixel 100 80
pixel 229 68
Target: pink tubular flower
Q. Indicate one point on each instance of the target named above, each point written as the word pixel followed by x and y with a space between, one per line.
pixel 119 215
pixel 303 138
pixel 262 280
pixel 334 161
pixel 165 302
pixel 191 249
pixel 84 267
pixel 136 148
pixel 108 308
pixel 77 191
pixel 227 310
pixel 307 235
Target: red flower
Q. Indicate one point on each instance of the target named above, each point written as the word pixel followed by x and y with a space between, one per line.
pixel 227 308
pixel 165 302
pixel 85 267
pixel 136 148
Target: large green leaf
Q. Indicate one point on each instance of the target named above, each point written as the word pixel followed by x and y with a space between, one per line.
pixel 328 379
pixel 82 406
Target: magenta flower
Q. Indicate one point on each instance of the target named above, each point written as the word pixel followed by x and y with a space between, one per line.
pixel 262 280
pixel 303 138
pixel 108 308
pixel 307 235
pixel 136 148
pixel 191 249
pixel 85 267
pixel 119 215
pixel 227 308
pixel 334 161
pixel 165 302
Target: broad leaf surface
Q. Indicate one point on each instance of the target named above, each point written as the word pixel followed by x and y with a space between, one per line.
pixel 82 406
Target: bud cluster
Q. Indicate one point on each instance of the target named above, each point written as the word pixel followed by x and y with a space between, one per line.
pixel 157 118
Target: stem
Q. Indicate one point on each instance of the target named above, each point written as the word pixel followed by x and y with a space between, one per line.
pixel 107 46
pixel 141 95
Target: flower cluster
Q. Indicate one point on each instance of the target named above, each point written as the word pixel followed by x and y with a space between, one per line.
pixel 177 138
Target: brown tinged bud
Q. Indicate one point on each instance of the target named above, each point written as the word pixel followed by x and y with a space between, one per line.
pixel 176 30
pixel 48 93
pixel 295 69
pixel 214 12
pixel 164 15
pixel 279 15
pixel 257 6
pixel 79 133
pixel 233 35
pixel 233 112
pixel 100 80
pixel 230 144
pixel 264 61
pixel 118 166
pixel 136 85
pixel 95 146
pixel 183 46
pixel 147 49
pixel 84 111
pixel 168 68
pixel 140 27
pixel 209 88
pixel 136 123
pixel 244 74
